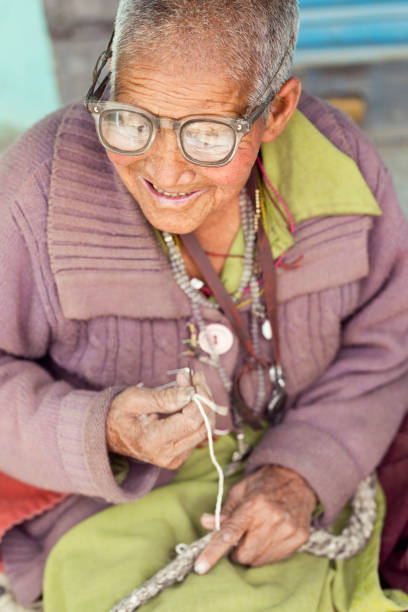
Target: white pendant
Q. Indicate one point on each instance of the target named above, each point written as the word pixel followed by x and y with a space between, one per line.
pixel 267 330
pixel 221 338
pixel 196 283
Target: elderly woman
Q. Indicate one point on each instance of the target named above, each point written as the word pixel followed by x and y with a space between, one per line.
pixel 219 220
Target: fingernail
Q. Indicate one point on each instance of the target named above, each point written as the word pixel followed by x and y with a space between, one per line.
pixel 201 567
pixel 183 377
pixel 184 396
pixel 207 520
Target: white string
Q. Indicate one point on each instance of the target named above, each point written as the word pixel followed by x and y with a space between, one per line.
pixel 199 400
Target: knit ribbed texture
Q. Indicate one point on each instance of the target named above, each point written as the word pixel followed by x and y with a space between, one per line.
pixel 98 237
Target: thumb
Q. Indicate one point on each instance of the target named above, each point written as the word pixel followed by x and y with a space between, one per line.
pixel 167 401
pixel 141 400
pixel 200 383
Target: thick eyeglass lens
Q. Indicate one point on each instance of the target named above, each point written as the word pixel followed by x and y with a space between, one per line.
pixel 207 141
pixel 125 130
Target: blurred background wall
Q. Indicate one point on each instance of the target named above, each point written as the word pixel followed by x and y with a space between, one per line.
pixel 28 86
pixel 352 52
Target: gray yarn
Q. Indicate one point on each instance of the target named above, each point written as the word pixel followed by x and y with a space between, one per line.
pixel 356 533
pixel 174 572
pixel 321 543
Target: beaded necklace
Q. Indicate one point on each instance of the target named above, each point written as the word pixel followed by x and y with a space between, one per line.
pixel 249 221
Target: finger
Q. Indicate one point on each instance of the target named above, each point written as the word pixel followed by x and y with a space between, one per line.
pixel 169 455
pixel 283 550
pixel 146 419
pixel 183 378
pixel 177 462
pixel 200 383
pixel 208 520
pixel 251 547
pixel 189 442
pixel 197 380
pixel 265 533
pixel 223 540
pixel 173 399
pixel 281 541
pixel 203 390
pixel 173 457
pixel 176 427
pixel 267 542
pixel 193 414
pixel 175 434
pixel 140 400
pixel 234 498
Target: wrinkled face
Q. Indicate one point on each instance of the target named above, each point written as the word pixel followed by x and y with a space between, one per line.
pixel 176 195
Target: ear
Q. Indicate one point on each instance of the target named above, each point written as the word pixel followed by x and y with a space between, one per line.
pixel 282 108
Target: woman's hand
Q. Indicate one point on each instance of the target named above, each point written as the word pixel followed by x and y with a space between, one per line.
pixel 161 427
pixel 266 518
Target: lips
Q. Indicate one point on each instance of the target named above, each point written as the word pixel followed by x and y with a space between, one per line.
pixel 167 198
pixel 168 194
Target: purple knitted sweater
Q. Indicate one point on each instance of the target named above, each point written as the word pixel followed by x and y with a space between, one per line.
pixel 89 305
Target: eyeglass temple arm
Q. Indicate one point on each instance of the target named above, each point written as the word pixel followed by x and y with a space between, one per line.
pixel 258 112
pixel 270 93
pixel 101 62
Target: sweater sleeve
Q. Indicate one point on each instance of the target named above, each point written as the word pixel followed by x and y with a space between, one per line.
pixel 51 434
pixel 341 426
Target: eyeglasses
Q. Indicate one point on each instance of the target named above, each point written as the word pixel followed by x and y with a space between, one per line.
pixel 205 140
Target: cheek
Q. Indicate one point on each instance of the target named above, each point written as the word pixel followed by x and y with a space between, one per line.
pixel 237 171
pixel 121 160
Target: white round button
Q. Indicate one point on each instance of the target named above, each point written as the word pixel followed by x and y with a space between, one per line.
pixel 221 338
pixel 267 330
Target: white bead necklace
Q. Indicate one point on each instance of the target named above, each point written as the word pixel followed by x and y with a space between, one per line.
pixel 249 224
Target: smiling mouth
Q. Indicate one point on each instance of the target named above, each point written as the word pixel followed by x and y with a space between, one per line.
pixel 171 195
pixel 168 196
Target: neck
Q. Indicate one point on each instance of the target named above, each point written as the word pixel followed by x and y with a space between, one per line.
pixel 217 237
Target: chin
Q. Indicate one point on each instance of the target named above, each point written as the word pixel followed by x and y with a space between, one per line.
pixel 175 227
pixel 182 223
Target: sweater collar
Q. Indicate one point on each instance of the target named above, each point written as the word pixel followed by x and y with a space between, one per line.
pixel 314 178
pixel 291 162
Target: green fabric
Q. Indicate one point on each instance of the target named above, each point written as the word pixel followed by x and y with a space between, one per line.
pixel 233 267
pixel 120 467
pixel 314 178
pixel 104 558
pixel 291 163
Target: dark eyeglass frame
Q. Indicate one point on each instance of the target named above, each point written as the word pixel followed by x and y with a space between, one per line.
pixel 240 125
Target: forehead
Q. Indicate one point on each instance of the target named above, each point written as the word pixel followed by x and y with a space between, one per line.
pixel 177 88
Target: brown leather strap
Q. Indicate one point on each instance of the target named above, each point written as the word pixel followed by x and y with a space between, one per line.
pixel 277 403
pixel 270 288
pixel 212 279
pixel 224 300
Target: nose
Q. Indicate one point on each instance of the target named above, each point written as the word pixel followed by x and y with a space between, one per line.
pixel 165 163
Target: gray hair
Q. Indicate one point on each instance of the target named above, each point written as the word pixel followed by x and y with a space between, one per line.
pixel 254 38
